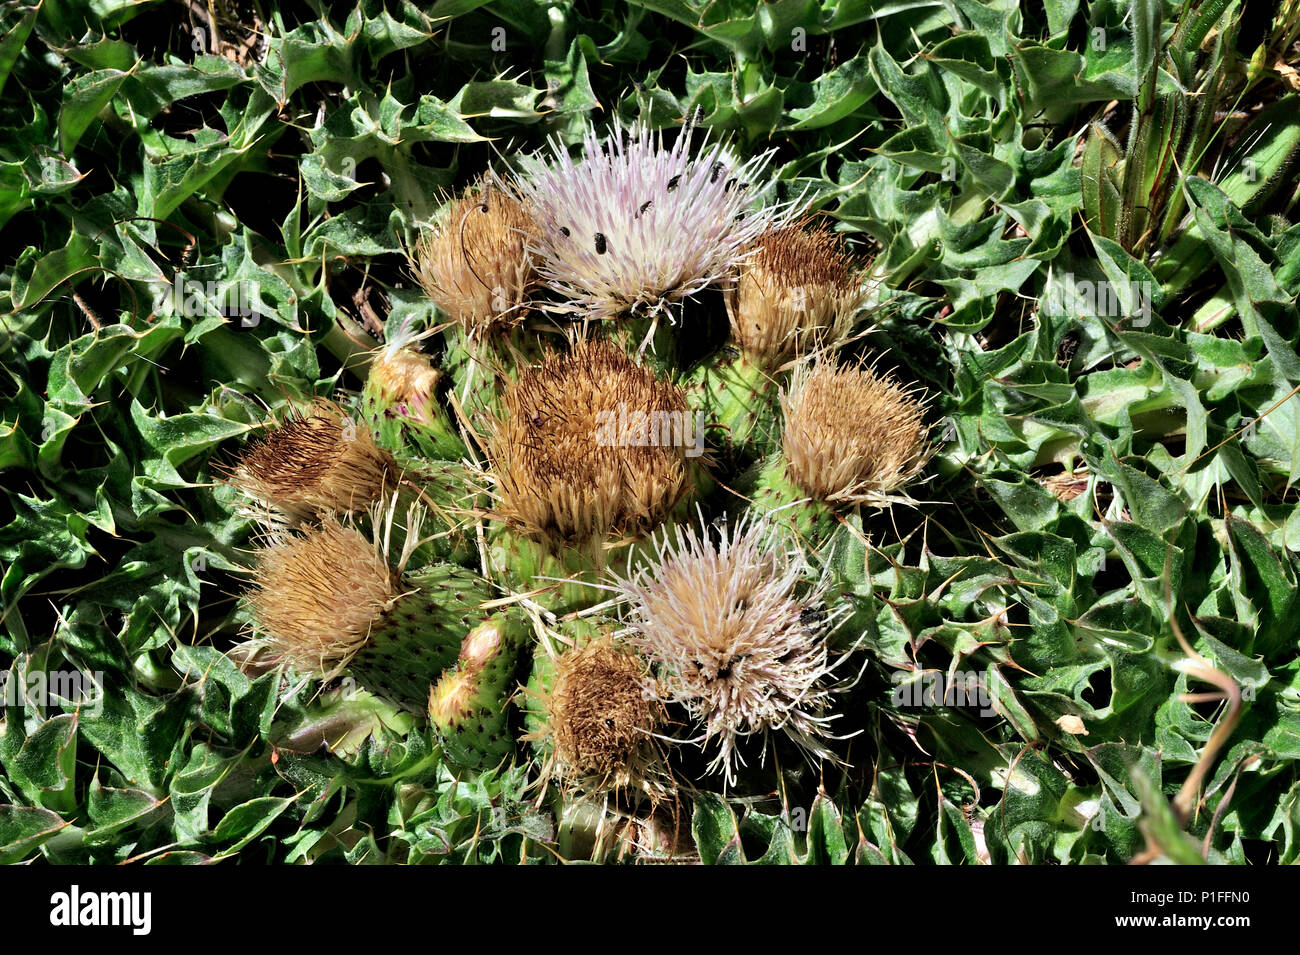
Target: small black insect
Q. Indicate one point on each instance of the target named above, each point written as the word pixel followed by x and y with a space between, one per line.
pixel 644 206
pixel 600 243
pixel 730 352
pixel 716 170
pixel 565 231
pixel 810 618
pixel 672 183
pixel 694 120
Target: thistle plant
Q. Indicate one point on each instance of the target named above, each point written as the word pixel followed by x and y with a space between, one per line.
pixel 635 225
pixel 583 461
pixel 725 625
pixel 1080 219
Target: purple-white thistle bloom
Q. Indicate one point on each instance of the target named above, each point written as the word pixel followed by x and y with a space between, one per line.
pixel 635 225
pixel 730 636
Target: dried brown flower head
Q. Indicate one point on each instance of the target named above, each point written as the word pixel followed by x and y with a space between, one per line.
pixel 315 463
pixel 798 289
pixel 474 263
pixel 315 597
pixel 1067 485
pixel 600 716
pixel 569 466
pixel 852 436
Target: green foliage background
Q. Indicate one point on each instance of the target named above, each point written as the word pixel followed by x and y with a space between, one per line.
pixel 993 157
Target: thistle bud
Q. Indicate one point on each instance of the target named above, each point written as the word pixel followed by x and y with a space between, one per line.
pixel 474 264
pixel 468 704
pixel 798 290
pixel 400 403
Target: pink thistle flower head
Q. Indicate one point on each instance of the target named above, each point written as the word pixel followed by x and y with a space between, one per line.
pixel 635 225
pixel 727 630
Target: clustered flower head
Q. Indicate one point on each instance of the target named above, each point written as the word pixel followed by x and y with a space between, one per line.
pixel 474 264
pixel 635 225
pixel 725 626
pixel 315 463
pixel 600 717
pixel 560 479
pixel 797 290
pixel 852 436
pixel 316 595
